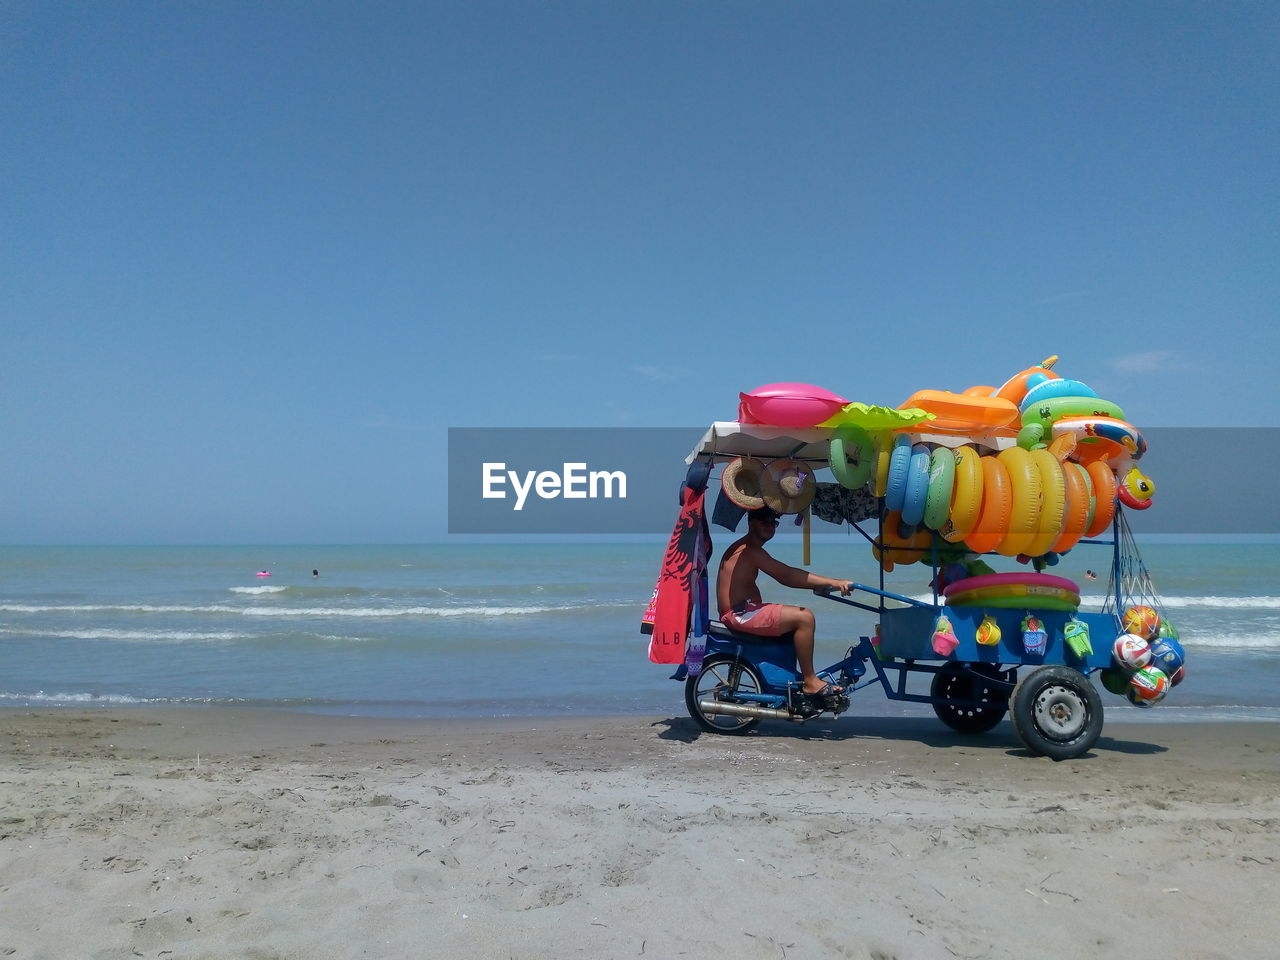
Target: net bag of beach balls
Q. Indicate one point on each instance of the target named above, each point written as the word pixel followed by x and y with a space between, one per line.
pixel 1146 659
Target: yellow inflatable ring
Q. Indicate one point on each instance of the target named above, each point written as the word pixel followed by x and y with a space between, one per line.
pixel 1053 498
pixel 1027 593
pixel 997 502
pixel 1024 488
pixel 884 457
pixel 966 495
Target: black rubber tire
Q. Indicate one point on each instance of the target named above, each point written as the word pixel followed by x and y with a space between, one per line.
pixel 716 673
pixel 964 682
pixel 1056 711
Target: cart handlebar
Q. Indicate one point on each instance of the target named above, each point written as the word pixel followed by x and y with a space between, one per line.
pixel 883 594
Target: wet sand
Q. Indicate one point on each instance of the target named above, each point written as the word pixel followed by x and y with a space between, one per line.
pixel 199 833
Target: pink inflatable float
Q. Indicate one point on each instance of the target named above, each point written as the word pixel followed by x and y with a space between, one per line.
pixel 788 405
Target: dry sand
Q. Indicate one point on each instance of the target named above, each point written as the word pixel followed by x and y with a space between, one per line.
pixel 218 833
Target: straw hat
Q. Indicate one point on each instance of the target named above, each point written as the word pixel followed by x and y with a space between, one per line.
pixel 741 482
pixel 788 486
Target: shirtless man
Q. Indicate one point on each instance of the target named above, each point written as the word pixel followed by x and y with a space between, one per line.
pixel 739 599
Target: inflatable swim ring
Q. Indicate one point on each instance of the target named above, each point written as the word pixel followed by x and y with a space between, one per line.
pixel 1024 487
pixel 913 502
pixel 899 466
pixel 1104 497
pixel 1016 387
pixel 884 452
pixel 1053 497
pixel 1102 438
pixel 942 475
pixel 891 547
pixel 856 441
pixel 966 495
pixel 1075 513
pixel 1048 412
pixel 1049 389
pixel 997 504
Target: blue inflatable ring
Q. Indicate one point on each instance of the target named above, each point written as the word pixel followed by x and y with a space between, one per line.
pixel 917 493
pixel 895 491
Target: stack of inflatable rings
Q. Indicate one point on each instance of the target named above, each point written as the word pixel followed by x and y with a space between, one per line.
pixel 1030 591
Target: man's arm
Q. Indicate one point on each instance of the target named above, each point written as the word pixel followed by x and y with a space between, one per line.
pixel 797 578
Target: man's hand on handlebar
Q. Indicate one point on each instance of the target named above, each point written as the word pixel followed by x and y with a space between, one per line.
pixel 844 586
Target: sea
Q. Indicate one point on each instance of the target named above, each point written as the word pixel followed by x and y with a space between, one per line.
pixel 465 630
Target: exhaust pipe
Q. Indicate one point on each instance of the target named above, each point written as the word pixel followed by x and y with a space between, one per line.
pixel 714 707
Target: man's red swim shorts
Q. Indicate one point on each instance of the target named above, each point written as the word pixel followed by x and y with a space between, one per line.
pixel 761 619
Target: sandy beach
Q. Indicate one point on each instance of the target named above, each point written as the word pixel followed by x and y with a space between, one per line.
pixel 221 833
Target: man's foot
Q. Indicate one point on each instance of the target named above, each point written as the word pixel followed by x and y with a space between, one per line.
pixel 820 689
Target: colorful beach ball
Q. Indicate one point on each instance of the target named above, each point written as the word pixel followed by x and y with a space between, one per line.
pixel 1115 681
pixel 1168 655
pixel 1142 621
pixel 1147 687
pixel 1167 629
pixel 1177 676
pixel 1131 652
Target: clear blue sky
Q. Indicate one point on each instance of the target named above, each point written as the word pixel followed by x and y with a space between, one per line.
pixel 258 256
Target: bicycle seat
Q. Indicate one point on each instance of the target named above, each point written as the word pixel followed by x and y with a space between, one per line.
pixel 718 630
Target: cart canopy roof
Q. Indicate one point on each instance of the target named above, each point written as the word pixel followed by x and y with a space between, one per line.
pixel 727 440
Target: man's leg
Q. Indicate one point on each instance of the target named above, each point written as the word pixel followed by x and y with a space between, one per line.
pixel 802 622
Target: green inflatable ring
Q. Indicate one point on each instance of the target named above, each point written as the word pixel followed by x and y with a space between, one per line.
pixel 854 477
pixel 942 476
pixel 1048 412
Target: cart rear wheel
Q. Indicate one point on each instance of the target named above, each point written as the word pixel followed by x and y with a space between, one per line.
pixel 958 682
pixel 1057 712
pixel 722 675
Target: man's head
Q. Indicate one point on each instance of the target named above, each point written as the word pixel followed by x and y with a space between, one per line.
pixel 763 522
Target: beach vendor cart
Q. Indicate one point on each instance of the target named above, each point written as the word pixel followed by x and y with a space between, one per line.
pixel 985 489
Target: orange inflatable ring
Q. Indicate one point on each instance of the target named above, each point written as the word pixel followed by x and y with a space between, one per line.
pixel 892 548
pixel 1104 497
pixel 997 503
pixel 1075 517
pixel 1015 388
